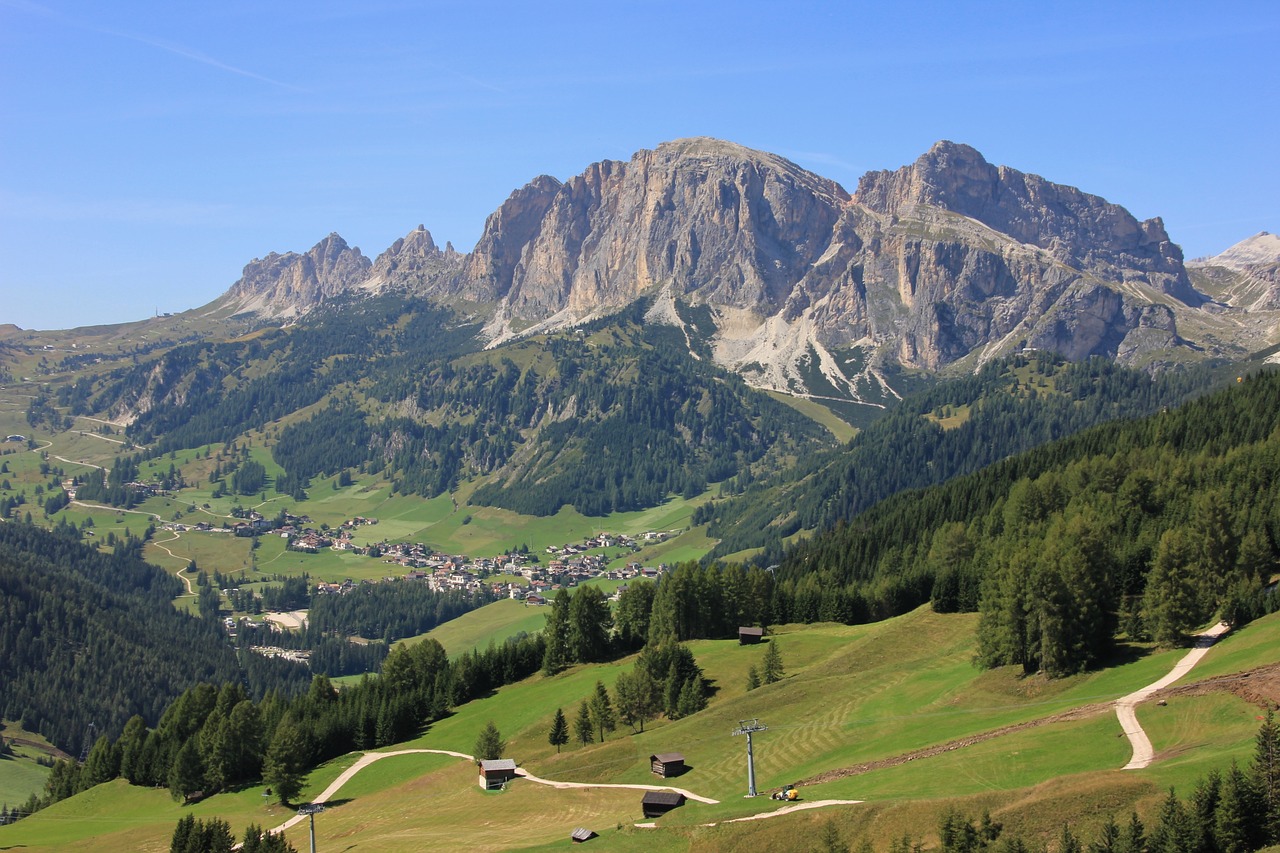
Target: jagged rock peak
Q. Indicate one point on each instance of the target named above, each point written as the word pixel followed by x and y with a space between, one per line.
pixel 738 226
pixel 289 284
pixel 415 262
pixel 1084 231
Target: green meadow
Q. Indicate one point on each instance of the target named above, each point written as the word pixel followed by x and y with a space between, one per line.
pixel 850 695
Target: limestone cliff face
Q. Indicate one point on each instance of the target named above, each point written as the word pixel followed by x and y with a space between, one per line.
pixel 736 226
pixel 290 284
pixel 1080 230
pixel 950 260
pixel 487 275
pixel 947 259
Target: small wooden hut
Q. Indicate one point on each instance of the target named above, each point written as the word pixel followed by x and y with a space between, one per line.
pixel 748 636
pixel 667 764
pixel 494 773
pixel 658 803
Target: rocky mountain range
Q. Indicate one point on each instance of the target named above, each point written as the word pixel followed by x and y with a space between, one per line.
pixel 785 277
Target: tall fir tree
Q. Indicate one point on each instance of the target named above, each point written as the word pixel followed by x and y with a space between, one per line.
pixel 286 762
pixel 489 743
pixel 1265 774
pixel 582 726
pixel 601 708
pixel 559 734
pixel 771 669
pixel 556 657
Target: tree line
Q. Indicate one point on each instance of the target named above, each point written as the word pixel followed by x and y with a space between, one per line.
pixel 618 425
pixel 88 636
pixel 957 427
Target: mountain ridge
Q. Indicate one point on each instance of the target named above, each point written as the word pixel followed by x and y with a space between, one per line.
pixel 941 264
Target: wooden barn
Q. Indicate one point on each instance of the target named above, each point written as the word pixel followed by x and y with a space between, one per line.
pixel 750 636
pixel 667 764
pixel 658 803
pixel 494 773
pixel 582 834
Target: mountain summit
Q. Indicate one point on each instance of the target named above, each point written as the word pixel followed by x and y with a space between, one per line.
pixel 783 275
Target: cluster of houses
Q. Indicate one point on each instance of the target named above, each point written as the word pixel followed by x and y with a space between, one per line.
pixel 570 564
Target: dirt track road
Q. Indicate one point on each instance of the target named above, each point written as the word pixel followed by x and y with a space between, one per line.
pixel 1126 707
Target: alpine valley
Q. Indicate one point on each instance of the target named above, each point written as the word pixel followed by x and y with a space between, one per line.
pixel 971 446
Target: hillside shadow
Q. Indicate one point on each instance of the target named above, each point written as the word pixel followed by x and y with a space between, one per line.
pixel 1124 653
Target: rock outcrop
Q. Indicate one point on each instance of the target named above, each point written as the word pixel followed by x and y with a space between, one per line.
pixel 1080 230
pixel 947 259
pixel 290 284
pixel 416 263
pixel 794 282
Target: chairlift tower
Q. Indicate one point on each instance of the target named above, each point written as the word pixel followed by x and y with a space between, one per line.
pixel 748 728
pixel 310 810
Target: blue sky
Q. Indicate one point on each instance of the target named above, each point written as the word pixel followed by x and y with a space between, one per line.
pixel 149 150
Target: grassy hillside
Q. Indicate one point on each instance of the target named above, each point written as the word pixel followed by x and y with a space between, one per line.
pixel 851 695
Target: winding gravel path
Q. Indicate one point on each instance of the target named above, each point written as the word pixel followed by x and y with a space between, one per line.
pixel 520 771
pixel 1126 707
pixel 370 757
pixel 345 776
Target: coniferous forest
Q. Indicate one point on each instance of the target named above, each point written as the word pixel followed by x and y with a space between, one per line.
pixel 91 637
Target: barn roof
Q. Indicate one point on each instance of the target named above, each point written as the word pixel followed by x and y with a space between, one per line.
pixel 667 757
pixel 493 765
pixel 663 798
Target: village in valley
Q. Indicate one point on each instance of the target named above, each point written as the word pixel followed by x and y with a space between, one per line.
pixel 519 575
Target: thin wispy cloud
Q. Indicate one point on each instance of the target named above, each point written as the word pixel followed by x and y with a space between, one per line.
pixel 196 56
pixel 159 44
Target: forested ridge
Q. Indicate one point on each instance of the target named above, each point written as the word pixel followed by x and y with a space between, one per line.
pixel 1009 406
pixel 1148 527
pixel 615 415
pixel 208 392
pixel 618 420
pixel 91 637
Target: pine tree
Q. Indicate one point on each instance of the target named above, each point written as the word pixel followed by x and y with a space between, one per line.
pixel 556 656
pixel 489 743
pixel 829 840
pixel 1109 840
pixel 286 762
pixel 771 670
pixel 559 735
pixel 181 839
pixel 1202 808
pixel 753 678
pixel 1238 823
pixel 1173 834
pixel 601 709
pixel 102 765
pixel 589 622
pixel 1265 774
pixel 1171 602
pixel 1067 842
pixel 186 775
pixel 582 726
pixel 1134 838
pixel 691 698
pixel 257 840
